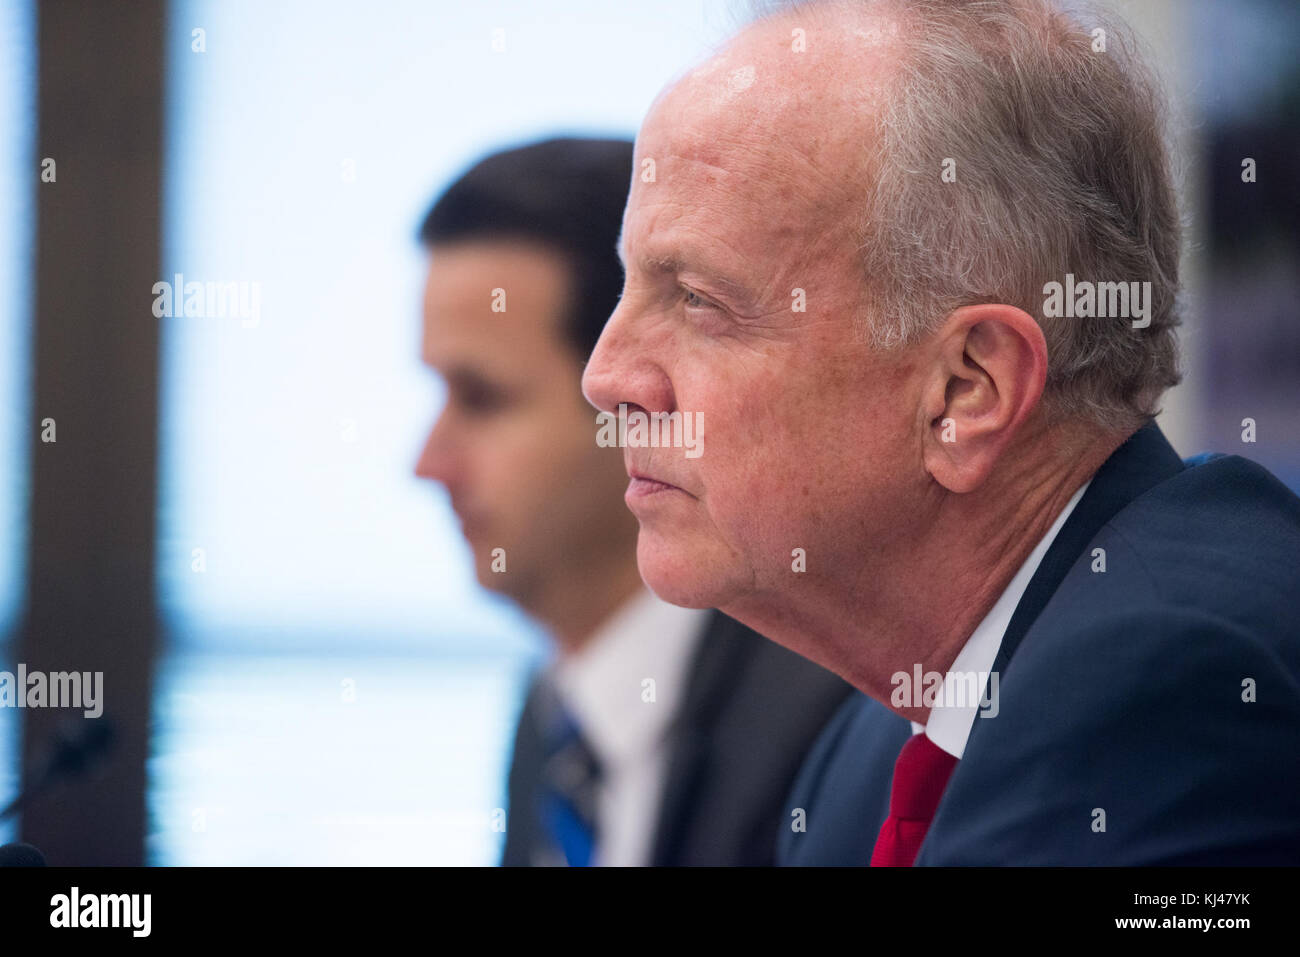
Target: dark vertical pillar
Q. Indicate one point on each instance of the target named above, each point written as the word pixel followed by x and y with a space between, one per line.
pixel 91 564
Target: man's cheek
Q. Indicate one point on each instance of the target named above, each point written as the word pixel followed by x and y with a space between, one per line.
pixel 754 509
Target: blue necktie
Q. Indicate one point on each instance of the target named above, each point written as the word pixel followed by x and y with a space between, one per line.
pixel 567 797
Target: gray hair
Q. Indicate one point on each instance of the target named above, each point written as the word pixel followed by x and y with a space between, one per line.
pixel 1061 167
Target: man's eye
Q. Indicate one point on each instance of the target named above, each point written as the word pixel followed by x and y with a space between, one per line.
pixel 694 300
pixel 481 401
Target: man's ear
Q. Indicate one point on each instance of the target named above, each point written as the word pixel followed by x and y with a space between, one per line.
pixel 988 366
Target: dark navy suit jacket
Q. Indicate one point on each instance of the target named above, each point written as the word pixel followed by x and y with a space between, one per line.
pixel 1124 693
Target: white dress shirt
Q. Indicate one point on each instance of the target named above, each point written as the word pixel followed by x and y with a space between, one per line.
pixel 606 686
pixel 950 727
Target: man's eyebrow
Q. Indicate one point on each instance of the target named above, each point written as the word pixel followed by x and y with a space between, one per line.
pixel 674 264
pixel 463 373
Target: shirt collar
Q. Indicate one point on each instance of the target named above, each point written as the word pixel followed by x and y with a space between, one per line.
pixel 950 727
pixel 604 684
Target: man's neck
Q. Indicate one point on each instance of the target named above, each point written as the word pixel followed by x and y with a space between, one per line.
pixel 577 606
pixel 918 605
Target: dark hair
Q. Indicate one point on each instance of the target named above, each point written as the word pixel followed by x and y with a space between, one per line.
pixel 566 193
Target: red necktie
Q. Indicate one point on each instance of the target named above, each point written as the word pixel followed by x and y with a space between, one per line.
pixel 920 775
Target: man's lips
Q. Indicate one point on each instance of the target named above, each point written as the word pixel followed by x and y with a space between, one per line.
pixel 642 485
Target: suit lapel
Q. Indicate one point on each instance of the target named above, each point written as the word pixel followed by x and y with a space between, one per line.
pixel 713 671
pixel 523 835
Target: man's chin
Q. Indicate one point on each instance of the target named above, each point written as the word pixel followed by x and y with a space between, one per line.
pixel 680 574
pixel 490 580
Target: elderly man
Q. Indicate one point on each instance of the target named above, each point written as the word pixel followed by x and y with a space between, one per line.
pixel 847 254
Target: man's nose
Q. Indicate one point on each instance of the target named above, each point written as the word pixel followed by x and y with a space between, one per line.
pixel 623 368
pixel 598 382
pixel 439 460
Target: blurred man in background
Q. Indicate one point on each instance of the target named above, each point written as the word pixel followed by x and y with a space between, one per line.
pixel 658 735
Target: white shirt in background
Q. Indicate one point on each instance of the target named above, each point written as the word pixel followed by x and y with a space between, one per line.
pixel 625 719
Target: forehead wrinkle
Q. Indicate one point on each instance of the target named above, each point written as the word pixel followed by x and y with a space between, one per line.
pixel 774 200
pixel 788 154
pixel 780 149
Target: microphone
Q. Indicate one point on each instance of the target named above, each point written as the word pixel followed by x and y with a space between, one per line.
pixel 20 855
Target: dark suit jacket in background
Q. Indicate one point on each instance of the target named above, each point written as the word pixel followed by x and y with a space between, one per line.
pixel 1120 691
pixel 749 716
